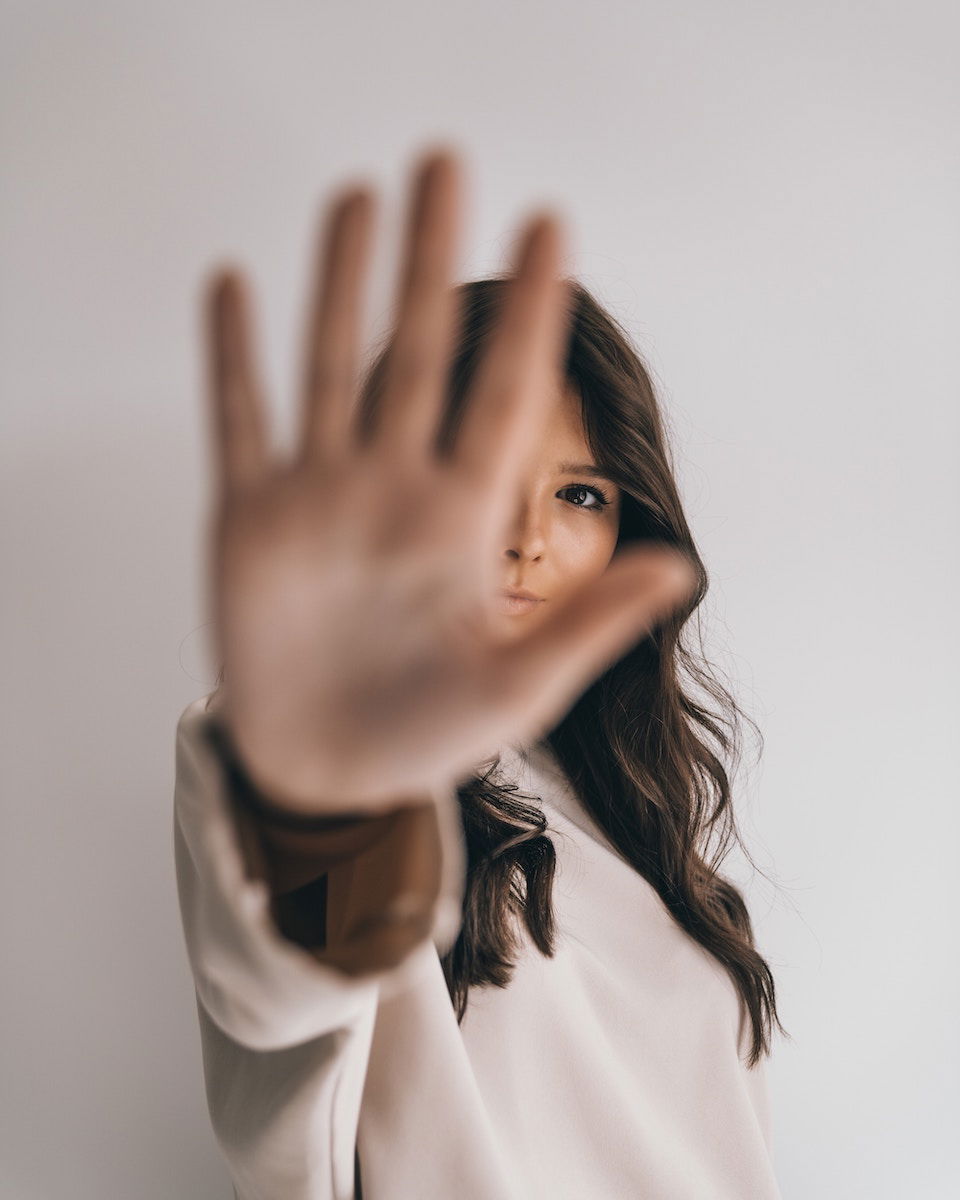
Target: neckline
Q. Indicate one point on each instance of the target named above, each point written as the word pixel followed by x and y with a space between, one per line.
pixel 536 768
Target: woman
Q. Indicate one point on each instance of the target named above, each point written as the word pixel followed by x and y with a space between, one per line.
pixel 441 830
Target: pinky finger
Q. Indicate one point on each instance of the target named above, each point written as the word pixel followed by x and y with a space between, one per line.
pixel 237 423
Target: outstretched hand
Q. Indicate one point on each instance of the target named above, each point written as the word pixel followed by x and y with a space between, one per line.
pixel 352 583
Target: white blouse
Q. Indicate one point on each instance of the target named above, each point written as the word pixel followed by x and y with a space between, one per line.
pixel 612 1071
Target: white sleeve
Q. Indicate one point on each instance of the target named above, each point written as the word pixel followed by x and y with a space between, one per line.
pixel 260 987
pixel 286 1038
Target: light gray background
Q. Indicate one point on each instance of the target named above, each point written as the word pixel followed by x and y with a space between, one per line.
pixel 767 194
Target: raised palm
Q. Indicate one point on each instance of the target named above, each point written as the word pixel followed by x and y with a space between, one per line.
pixel 353 582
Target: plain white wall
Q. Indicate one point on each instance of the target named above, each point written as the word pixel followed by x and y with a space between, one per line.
pixel 767 194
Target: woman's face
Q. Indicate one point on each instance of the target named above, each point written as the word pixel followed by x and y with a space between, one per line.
pixel 563 535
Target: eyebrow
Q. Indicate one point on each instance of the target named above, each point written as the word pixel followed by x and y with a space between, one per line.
pixel 592 469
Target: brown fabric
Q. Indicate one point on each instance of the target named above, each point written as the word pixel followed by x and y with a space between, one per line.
pixel 356 892
pixel 266 808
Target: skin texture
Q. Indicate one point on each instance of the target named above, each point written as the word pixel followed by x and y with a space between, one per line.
pixel 561 538
pixel 353 584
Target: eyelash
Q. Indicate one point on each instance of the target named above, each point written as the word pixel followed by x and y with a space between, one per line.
pixel 602 499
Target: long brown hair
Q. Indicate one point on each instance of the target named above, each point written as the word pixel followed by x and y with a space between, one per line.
pixel 652 745
pixel 650 761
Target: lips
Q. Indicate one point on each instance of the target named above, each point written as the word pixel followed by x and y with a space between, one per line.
pixel 519 601
pixel 519 594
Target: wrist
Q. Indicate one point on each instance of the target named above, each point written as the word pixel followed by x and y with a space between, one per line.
pixel 246 792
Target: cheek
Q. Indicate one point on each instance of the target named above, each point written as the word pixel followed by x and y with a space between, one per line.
pixel 587 550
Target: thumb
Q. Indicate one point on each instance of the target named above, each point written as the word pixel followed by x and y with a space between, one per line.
pixel 565 653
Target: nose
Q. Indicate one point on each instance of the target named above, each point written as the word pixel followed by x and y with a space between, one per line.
pixel 527 539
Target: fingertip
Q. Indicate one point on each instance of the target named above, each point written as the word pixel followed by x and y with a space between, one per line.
pixel 442 154
pixel 546 230
pixel 359 195
pixel 684 572
pixel 221 283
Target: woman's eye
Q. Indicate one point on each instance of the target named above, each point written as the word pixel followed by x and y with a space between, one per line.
pixel 600 498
